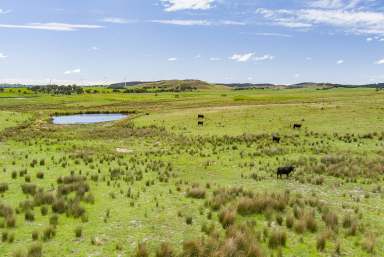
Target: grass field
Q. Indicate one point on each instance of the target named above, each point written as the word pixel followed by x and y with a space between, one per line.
pixel 157 184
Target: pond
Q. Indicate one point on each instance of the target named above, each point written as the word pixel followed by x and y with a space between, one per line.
pixel 87 118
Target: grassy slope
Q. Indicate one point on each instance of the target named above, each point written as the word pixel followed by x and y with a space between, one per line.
pixel 228 113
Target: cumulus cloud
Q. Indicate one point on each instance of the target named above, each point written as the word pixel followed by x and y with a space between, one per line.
pixel 349 20
pixel 72 71
pixel 340 62
pixel 3 56
pixel 178 5
pixel 380 62
pixel 51 26
pixel 172 59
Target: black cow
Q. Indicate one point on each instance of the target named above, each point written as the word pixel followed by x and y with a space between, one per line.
pixel 284 171
pixel 200 123
pixel 276 138
pixel 297 126
pixel 200 116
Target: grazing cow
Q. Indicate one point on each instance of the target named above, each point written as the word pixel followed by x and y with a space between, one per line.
pixel 297 126
pixel 200 123
pixel 284 171
pixel 276 138
pixel 200 116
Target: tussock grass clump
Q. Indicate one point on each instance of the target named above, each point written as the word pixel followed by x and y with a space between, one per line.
pixel 321 242
pixel 29 215
pixel 49 232
pixel 141 250
pixel 331 220
pixel 369 242
pixel 78 231
pixel 29 189
pixel 196 192
pixel 227 217
pixel 40 175
pixel 35 250
pixel 165 250
pixel 35 235
pixel 277 238
pixel 259 203
pixel 3 188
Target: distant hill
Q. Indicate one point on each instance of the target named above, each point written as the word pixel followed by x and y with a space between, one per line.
pixel 13 86
pixel 163 86
pixel 122 85
pixel 248 85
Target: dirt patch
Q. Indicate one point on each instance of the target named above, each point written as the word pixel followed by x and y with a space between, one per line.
pixel 124 150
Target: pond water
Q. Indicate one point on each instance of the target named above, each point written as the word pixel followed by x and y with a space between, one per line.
pixel 87 118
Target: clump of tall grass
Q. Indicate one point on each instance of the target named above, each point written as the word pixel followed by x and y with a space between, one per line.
pixel 165 250
pixel 196 192
pixel 277 238
pixel 141 250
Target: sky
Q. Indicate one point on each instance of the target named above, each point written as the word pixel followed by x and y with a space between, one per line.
pixel 220 41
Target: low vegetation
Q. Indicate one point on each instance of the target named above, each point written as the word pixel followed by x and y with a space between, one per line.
pixel 157 184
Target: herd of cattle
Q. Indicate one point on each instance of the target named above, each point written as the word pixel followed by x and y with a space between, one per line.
pixel 285 170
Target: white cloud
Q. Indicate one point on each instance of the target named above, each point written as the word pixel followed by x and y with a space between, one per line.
pixel 369 39
pixel 335 4
pixel 350 20
pixel 3 56
pixel 242 57
pixel 251 56
pixel 235 23
pixel 199 22
pixel 72 71
pixel 214 59
pixel 172 59
pixel 95 48
pixel 340 62
pixel 177 5
pixel 270 34
pixel 184 22
pixel 117 20
pixel 51 26
pixel 265 57
pixel 380 62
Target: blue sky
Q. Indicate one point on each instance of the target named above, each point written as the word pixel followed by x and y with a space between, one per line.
pixel 258 41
